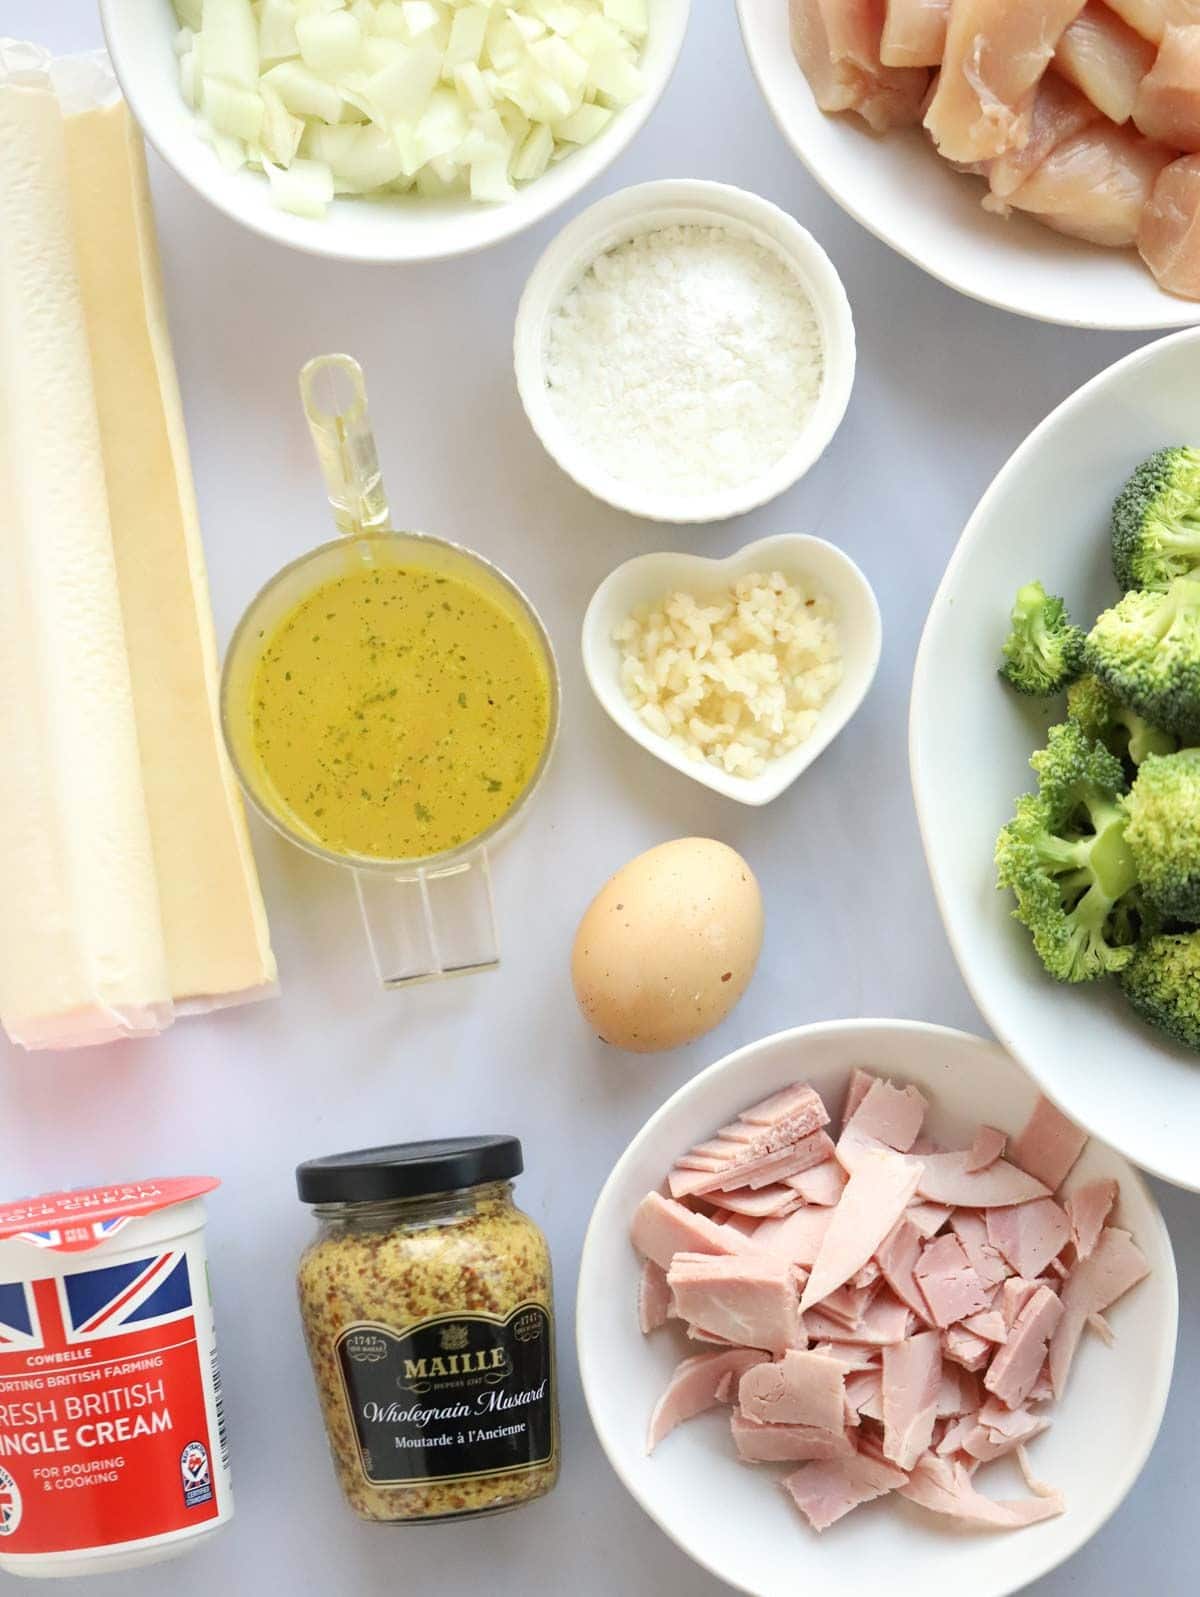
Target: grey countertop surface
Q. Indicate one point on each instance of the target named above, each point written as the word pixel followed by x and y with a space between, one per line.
pixel 946 389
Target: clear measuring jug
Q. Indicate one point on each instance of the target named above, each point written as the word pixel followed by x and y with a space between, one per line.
pixel 427 916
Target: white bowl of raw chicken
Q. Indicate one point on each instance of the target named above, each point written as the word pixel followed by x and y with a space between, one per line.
pixel 735 1519
pixel 899 189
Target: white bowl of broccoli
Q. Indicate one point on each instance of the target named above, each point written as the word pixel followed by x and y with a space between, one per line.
pixel 1071 892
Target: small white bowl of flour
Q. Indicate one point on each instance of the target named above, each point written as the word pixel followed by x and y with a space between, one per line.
pixel 685 350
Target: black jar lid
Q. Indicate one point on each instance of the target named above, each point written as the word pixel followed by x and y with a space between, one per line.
pixel 408 1170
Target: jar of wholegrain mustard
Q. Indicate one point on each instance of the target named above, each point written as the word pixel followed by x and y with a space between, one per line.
pixel 427 1309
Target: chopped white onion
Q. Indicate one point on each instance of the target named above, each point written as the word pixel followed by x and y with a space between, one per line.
pixel 444 97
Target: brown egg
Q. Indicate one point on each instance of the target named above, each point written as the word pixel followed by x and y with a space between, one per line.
pixel 668 945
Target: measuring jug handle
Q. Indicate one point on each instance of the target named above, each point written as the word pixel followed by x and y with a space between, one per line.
pixel 430 923
pixel 334 395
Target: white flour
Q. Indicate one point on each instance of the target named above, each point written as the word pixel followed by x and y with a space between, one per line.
pixel 686 360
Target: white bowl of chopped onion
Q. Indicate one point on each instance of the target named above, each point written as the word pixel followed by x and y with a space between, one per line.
pixel 796 572
pixel 391 130
pixel 685 350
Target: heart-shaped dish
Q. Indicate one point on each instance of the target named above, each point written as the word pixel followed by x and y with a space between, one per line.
pixel 802 559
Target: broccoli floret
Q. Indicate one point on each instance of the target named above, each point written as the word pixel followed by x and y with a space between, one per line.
pixel 1065 859
pixel 1156 521
pixel 1163 833
pixel 1043 651
pixel 1146 650
pixel 1102 715
pixel 1162 982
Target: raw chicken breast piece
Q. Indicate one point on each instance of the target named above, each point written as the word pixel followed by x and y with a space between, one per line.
pixel 1150 17
pixel 1105 58
pixel 996 53
pixel 1059 111
pixel 837 44
pixel 1167 106
pixel 1169 236
pixel 914 33
pixel 1095 187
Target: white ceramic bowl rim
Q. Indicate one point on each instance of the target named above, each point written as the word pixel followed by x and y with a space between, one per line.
pixel 645 208
pixel 1130 1464
pixel 1013 467
pixel 362 229
pixel 799 556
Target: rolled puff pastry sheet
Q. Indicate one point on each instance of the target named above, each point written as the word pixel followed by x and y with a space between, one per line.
pixel 127 886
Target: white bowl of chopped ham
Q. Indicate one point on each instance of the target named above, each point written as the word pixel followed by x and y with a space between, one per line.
pixel 891 1265
pixel 1078 159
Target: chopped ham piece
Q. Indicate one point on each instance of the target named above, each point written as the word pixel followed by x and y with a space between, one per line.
pixel 990 1324
pixel 1103 1330
pixel 693 1389
pixel 971 1351
pixel 1047 1146
pixel 1150 17
pixel 757 1443
pixel 1115 1265
pixel 750 1302
pixel 1105 58
pixel 797 1238
pixel 821 1185
pixel 662 1228
pixel 826 1491
pixel 764 1170
pixel 801 1389
pixel 948 1282
pixel 958 1393
pixel 868 1275
pixel 853 1356
pixel 929 1218
pixel 1013 1372
pixel 996 53
pixel 985 1149
pixel 654 1297
pixel 837 46
pixel 944 1486
pixel 1168 237
pixel 1088 1208
pixel 946 1179
pixel 912 1379
pixel 760 1205
pixel 897 1257
pixel 1059 112
pixel 1167 107
pixel 985 1444
pixel 1015 1294
pixel 744 1224
pixel 1029 1235
pixel 889 1115
pixel 864 1391
pixel 886 1320
pixel 971 1230
pixel 914 33
pixel 861 1082
pixel 874 1199
pixel 779 1124
pixel 849 1304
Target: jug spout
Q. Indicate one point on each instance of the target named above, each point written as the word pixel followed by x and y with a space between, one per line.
pixel 334 396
